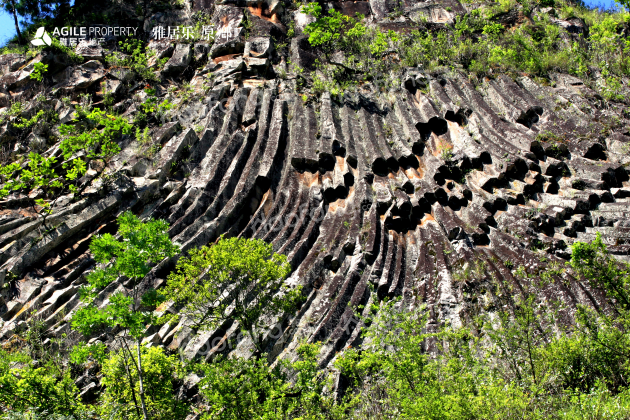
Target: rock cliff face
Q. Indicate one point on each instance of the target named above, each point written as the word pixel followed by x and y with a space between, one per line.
pixel 435 192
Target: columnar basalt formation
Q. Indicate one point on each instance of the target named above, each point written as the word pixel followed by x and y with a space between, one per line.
pixel 434 192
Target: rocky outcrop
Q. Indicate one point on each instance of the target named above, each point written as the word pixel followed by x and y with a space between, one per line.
pixel 370 195
pixel 80 77
pixel 182 55
pixel 398 191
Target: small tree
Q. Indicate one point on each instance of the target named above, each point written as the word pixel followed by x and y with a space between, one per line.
pixel 140 245
pixel 37 387
pixel 333 31
pixel 237 388
pixel 159 375
pixel 10 7
pixel 594 262
pixel 237 278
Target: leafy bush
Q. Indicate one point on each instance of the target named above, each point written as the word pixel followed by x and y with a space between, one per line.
pixel 514 363
pixel 38 71
pixel 475 42
pixel 58 48
pixel 93 134
pixel 152 109
pixel 237 388
pixel 236 278
pixel 28 387
pixel 39 173
pixel 160 373
pixel 141 246
pixel 135 57
pixel 333 31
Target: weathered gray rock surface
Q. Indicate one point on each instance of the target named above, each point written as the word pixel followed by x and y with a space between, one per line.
pixel 398 192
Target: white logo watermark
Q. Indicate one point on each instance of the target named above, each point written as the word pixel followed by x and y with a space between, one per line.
pixel 41 38
pixel 71 36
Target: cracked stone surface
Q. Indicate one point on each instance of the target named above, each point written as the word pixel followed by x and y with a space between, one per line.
pixel 398 192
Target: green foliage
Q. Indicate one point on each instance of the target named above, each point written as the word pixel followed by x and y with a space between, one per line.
pixel 30 122
pixel 94 134
pixel 16 109
pixel 39 173
pixel 160 373
pixel 58 48
pixel 593 261
pixel 476 43
pixel 140 246
pixel 236 278
pixel 82 352
pixel 152 109
pixel 237 388
pixel 513 363
pixel 38 71
pixel 600 349
pixel 453 385
pixel 382 41
pixel 43 116
pixel 142 136
pixel 135 57
pixel 512 368
pixel 334 31
pixel 29 387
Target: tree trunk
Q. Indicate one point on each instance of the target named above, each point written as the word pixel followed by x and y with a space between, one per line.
pixel 17 26
pixel 255 339
pixel 142 401
pixel 133 392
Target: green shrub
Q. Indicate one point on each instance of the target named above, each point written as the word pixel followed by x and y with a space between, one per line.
pixel 38 71
pixel 477 43
pixel 141 245
pixel 248 270
pixel 237 388
pixel 58 48
pixel 160 374
pixel 136 58
pixel 38 174
pixel 28 387
pixel 333 31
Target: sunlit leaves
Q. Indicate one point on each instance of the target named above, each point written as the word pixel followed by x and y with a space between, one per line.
pixel 235 278
pixel 91 137
pixel 82 351
pixel 332 31
pixel 593 261
pixel 160 373
pixel 38 173
pixel 236 388
pixel 95 135
pixel 141 244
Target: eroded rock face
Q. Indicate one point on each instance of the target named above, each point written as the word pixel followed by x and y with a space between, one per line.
pixel 301 52
pixel 11 62
pixel 80 77
pixel 260 47
pixel 20 77
pixel 399 192
pixel 229 33
pixel 162 48
pixel 90 50
pixel 180 60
